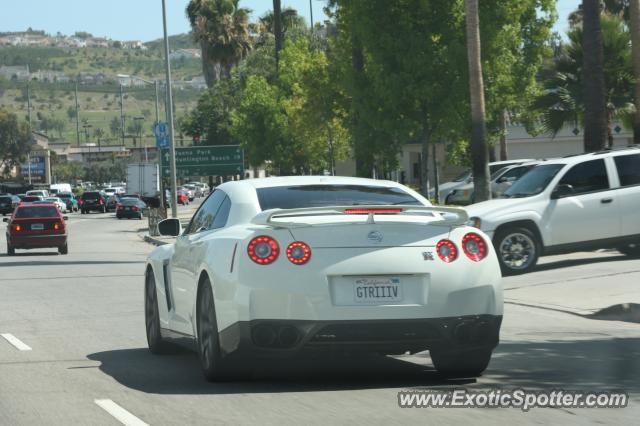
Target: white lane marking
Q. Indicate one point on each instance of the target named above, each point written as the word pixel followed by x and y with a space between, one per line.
pixel 122 415
pixel 15 342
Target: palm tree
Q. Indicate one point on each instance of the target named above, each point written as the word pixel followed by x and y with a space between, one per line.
pixel 222 29
pixel 595 112
pixel 479 150
pixel 277 29
pixel 563 99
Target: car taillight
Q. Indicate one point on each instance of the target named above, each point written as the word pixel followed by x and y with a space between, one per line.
pixel 298 253
pixel 447 251
pixel 134 208
pixel 263 250
pixel 120 207
pixel 56 226
pixel 474 247
pixel 17 228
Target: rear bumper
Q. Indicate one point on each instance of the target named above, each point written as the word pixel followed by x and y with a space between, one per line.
pixel 128 214
pixel 37 241
pixel 293 338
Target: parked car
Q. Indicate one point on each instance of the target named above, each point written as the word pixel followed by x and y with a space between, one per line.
pixel 92 201
pixel 196 190
pixel 70 200
pixel 8 203
pixel 204 188
pixel 499 181
pixel 577 203
pixel 36 226
pixel 362 264
pixel 131 208
pixel 466 178
pixel 31 198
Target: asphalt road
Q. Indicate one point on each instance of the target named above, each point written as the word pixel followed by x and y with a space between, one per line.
pixel 82 317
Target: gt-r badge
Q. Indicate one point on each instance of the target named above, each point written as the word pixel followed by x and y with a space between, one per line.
pixel 427 255
pixel 375 236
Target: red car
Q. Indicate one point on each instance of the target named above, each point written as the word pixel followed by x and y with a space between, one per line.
pixel 36 226
pixel 183 198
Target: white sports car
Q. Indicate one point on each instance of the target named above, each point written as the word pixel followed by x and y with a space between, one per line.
pixel 287 266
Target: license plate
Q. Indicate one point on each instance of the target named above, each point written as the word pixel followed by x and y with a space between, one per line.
pixel 37 226
pixel 377 290
pixel 127 208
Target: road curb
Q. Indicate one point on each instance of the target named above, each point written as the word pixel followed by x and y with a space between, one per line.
pixel 149 239
pixel 627 312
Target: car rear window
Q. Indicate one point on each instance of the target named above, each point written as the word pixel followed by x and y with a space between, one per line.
pixel 36 211
pixel 292 197
pixel 64 195
pixel 30 198
pixel 129 201
pixel 90 195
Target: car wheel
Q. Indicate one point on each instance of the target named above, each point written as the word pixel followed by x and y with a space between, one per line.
pixel 10 250
pixel 447 198
pixel 212 364
pixel 518 250
pixel 461 364
pixel 152 317
pixel 63 249
pixel 632 249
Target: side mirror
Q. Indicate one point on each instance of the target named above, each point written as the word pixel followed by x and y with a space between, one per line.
pixel 170 227
pixel 65 218
pixel 562 190
pixel 5 219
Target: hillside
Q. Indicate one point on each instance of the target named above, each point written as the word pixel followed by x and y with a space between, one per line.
pixel 99 103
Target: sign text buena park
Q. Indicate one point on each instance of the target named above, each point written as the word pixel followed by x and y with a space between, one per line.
pixel 223 160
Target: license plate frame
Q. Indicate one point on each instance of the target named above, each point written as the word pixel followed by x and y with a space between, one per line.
pixel 37 226
pixel 377 290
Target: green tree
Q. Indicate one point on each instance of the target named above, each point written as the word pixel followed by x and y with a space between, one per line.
pixel 222 29
pixel 115 126
pixel 15 140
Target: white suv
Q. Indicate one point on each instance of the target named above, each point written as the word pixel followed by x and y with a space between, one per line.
pixel 576 203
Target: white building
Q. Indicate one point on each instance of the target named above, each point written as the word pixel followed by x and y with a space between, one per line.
pixel 185 54
pixel 15 72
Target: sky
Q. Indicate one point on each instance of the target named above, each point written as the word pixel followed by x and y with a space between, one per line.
pixel 142 19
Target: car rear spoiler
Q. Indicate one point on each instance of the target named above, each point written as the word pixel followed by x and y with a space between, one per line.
pixel 449 216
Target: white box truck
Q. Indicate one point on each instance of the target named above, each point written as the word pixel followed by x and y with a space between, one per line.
pixel 143 179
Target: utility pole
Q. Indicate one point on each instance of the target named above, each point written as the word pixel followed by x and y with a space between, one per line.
pixel 77 118
pixel 172 148
pixel 311 13
pixel 155 85
pixel 29 103
pixel 121 114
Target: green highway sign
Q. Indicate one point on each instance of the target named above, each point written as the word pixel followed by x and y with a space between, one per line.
pixel 223 160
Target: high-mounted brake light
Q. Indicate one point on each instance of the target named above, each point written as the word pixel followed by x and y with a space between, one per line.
pixel 298 253
pixel 376 210
pixel 263 250
pixel 447 251
pixel 474 247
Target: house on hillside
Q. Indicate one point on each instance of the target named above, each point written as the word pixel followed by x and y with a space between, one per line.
pixel 92 78
pixel 97 42
pixel 185 54
pixel 133 44
pixel 50 76
pixel 15 72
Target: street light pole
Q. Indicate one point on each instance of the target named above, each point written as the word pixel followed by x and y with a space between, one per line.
pixel 146 156
pixel 172 148
pixel 155 85
pixel 311 13
pixel 121 114
pixel 77 118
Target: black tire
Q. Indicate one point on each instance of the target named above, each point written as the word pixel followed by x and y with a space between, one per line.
pixel 461 364
pixel 632 249
pixel 156 345
pixel 10 250
pixel 518 250
pixel 213 366
pixel 63 249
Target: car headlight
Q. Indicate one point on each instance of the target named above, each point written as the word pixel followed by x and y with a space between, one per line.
pixel 474 221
